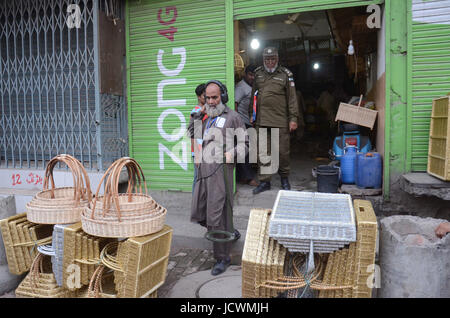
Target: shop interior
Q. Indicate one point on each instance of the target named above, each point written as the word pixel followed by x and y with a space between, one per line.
pixel 316 48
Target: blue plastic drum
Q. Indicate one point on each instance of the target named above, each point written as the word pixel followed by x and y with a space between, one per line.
pixel 368 170
pixel 348 165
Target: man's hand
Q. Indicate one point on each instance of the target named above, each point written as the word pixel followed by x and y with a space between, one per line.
pixel 442 229
pixel 228 157
pixel 292 126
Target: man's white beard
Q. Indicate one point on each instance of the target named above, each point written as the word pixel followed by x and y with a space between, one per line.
pixel 270 70
pixel 213 112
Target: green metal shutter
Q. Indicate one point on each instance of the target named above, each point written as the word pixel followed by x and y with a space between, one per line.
pixel 245 9
pixel 161 95
pixel 430 71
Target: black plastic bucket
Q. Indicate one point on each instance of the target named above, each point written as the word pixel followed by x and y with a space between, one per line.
pixel 327 179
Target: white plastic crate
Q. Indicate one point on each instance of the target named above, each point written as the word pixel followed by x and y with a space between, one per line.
pixel 327 219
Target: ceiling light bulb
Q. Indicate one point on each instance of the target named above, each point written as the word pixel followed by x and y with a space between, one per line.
pixel 351 49
pixel 254 44
pixel 316 66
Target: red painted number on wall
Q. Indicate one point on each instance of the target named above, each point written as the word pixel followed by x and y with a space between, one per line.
pixel 31 179
pixel 171 13
pixel 16 179
pixel 34 179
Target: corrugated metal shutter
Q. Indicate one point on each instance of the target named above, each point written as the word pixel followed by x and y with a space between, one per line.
pixel 189 38
pixel 430 70
pixel 245 9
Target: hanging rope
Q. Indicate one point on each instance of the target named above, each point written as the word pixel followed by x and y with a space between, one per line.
pixel 300 280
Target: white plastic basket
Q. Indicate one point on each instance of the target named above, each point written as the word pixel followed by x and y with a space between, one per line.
pixel 327 219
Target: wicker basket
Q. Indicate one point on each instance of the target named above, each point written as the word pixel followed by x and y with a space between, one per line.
pixel 262 258
pixel 61 205
pixel 143 262
pixel 82 250
pixel 126 215
pixel 41 284
pixel 20 238
pixel 103 286
pixel 350 266
pixel 439 143
pixel 357 115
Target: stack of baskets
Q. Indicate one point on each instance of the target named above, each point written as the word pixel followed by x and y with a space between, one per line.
pixel 139 261
pixel 123 215
pixel 113 245
pixel 342 274
pixel 131 268
pixel 262 258
pixel 20 238
pixel 61 205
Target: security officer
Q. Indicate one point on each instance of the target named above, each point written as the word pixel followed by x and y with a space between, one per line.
pixel 276 107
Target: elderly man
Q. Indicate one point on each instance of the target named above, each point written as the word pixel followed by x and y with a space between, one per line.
pixel 212 200
pixel 276 107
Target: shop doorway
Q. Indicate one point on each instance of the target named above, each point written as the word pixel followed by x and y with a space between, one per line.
pixel 314 46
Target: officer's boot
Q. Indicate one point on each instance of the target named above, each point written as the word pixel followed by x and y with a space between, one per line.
pixel 263 186
pixel 285 183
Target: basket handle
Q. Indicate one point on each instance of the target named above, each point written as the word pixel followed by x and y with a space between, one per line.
pixel 134 175
pixel 99 186
pixel 49 175
pixel 83 185
pixel 112 175
pixel 95 282
pixel 78 172
pixel 36 268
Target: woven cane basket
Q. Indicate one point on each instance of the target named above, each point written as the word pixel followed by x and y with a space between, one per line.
pixel 143 264
pixel 61 205
pixel 123 215
pixel 83 250
pixel 20 238
pixel 340 274
pixel 40 282
pixel 351 266
pixel 357 115
pixel 262 258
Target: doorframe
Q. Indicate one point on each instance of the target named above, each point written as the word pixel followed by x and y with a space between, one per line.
pixel 230 18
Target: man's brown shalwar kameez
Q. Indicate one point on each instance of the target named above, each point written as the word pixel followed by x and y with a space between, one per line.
pixel 209 197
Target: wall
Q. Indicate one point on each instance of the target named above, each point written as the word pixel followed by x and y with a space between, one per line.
pixel 398 108
pixel 396 93
pixel 380 87
pixel 25 183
